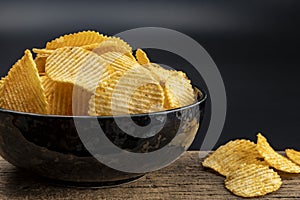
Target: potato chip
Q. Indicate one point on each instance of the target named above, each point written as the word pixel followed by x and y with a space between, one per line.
pixel 119 61
pixel 177 87
pixel 113 44
pixel 100 102
pixel 146 98
pixel 45 52
pixel 129 88
pixel 22 88
pixel 91 47
pixel 228 158
pixel 76 40
pixel 59 96
pixel 141 57
pixel 159 73
pixel 293 155
pixel 1 85
pixel 179 91
pixel 80 101
pixel 252 180
pixel 65 98
pixel 127 93
pixel 273 158
pixel 40 62
pixel 77 66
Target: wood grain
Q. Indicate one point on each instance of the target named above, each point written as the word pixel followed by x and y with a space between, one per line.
pixel 184 179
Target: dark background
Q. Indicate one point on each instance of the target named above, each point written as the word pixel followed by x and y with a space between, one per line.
pixel 255 45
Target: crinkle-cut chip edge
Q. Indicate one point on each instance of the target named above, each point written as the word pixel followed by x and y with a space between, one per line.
pixel 293 155
pixel 141 57
pixel 273 158
pixel 113 44
pixel 45 52
pixel 61 41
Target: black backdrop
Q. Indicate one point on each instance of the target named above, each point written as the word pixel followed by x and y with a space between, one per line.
pixel 255 45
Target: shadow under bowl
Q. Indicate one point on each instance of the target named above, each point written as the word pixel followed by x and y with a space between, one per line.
pixel 51 146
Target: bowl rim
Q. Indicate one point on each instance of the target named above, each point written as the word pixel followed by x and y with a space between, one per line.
pixel 197 102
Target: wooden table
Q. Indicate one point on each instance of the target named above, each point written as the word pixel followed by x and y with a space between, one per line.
pixel 184 179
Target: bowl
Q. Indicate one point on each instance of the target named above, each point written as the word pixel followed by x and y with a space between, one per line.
pixel 50 146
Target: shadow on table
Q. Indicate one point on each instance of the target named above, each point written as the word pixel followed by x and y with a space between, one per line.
pixel 20 183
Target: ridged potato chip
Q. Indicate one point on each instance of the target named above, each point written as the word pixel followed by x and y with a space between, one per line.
pixel 119 61
pixel 252 180
pixel 293 155
pixel 76 40
pixel 22 88
pixel 127 89
pixel 65 98
pixel 177 87
pixel 228 158
pixel 45 52
pixel 162 75
pixel 59 96
pixel 273 158
pixel 100 102
pixel 142 57
pixel 113 44
pixel 178 90
pixel 77 66
pixel 127 92
pixel 146 98
pixel 1 85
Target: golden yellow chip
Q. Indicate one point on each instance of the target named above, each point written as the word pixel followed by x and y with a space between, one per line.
pixel 80 101
pixel 177 87
pixel 22 88
pixel 119 61
pixel 228 158
pixel 146 98
pixel 141 57
pixel 127 92
pixel 162 75
pixel 59 96
pixel 45 52
pixel 77 66
pixel 252 180
pixel 40 62
pixel 178 90
pixel 113 44
pixel 100 103
pixel 273 158
pixel 65 98
pixel 1 86
pixel 76 40
pixel 91 47
pixel 293 155
pixel 159 73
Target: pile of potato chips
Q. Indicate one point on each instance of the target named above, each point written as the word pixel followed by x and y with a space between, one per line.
pixel 87 73
pixel 248 167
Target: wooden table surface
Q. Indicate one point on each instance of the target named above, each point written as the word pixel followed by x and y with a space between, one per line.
pixel 184 179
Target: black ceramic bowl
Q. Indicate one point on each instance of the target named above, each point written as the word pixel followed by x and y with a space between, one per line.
pixel 51 147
